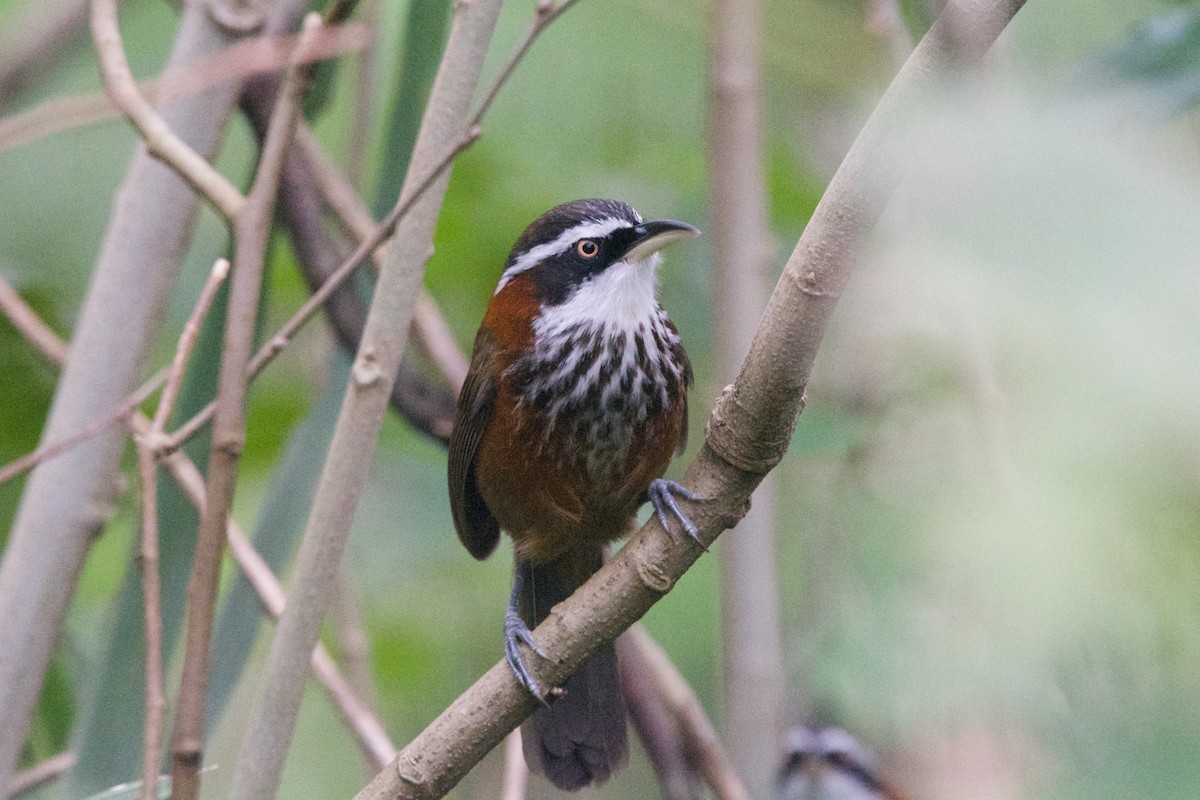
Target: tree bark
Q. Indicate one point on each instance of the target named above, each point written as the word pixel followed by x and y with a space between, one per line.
pixel 69 498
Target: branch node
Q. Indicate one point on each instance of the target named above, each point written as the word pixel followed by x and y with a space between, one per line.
pixel 366 368
pixel 409 770
pixel 239 17
pixel 653 576
pixel 742 445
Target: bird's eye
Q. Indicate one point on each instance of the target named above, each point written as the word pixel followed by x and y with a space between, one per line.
pixel 587 248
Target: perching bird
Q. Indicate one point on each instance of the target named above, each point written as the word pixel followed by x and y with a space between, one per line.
pixel 830 764
pixel 574 403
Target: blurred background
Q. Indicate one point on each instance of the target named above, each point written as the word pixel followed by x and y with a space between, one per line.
pixel 989 558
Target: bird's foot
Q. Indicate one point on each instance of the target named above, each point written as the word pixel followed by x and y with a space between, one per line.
pixel 516 632
pixel 662 496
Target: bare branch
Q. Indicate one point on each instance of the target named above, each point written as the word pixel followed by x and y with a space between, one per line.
pixel 67 499
pixel 156 700
pixel 743 252
pixel 187 339
pixel 705 746
pixel 161 141
pixel 747 433
pixel 39 775
pixel 232 64
pixel 31 326
pixel 284 335
pixel 264 747
pixel 113 416
pixel 252 225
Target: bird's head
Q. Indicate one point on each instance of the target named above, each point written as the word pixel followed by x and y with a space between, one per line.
pixel 591 261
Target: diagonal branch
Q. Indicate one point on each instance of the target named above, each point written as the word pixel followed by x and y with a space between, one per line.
pixel 161 141
pixel 269 732
pixel 251 230
pixel 747 435
pixel 67 500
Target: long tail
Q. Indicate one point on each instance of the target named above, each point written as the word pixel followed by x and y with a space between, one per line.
pixel 580 738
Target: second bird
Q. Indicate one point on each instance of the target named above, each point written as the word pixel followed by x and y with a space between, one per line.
pixel 574 403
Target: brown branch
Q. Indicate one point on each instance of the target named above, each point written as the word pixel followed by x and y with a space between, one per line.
pixel 235 63
pixel 284 335
pixel 747 433
pixel 251 230
pixel 431 333
pixel 704 746
pixel 113 416
pixel 155 701
pixel 657 726
pixel 161 141
pixel 30 325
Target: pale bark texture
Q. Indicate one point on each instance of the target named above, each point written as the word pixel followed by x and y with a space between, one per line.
pixel 281 685
pixel 747 434
pixel 69 498
pixel 741 242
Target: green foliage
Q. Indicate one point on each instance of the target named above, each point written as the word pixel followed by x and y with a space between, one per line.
pixel 987 519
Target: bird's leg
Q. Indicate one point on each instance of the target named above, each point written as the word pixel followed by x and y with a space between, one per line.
pixel 516 632
pixel 662 496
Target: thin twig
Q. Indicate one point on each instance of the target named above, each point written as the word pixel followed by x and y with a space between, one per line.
pixel 235 63
pixel 270 728
pixel 516 772
pixel 39 775
pixel 148 562
pixel 547 11
pixel 191 329
pixel 30 325
pixel 747 434
pixel 431 332
pixel 284 335
pixel 155 700
pixel 161 141
pixel 101 423
pixel 251 226
pixel 710 756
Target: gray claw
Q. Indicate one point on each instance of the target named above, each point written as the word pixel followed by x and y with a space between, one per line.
pixel 662 497
pixel 517 632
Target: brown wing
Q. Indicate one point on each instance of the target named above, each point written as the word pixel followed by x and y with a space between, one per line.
pixel 477 528
pixel 681 355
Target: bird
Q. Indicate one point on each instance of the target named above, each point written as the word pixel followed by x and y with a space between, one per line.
pixel 574 403
pixel 827 763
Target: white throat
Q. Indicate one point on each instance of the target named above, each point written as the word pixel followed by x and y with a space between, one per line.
pixel 618 299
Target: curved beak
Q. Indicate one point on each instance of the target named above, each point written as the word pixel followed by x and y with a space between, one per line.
pixel 650 237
